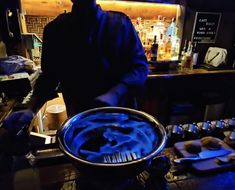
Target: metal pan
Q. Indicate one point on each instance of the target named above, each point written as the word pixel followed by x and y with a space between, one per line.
pixel 112 132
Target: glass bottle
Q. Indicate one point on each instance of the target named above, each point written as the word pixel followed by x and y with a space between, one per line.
pixel 161 48
pixel 188 65
pixel 168 48
pixel 195 53
pixel 171 30
pixel 183 53
pixel 159 28
pixel 154 49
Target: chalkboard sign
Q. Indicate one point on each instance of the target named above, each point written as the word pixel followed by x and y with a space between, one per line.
pixel 205 27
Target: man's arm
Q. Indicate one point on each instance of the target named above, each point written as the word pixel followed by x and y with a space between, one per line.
pixel 47 83
pixel 133 67
pixel 135 59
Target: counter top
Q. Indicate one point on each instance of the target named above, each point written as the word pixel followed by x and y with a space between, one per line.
pixel 178 73
pixel 63 176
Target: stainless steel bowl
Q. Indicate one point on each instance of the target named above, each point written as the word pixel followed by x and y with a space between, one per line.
pixel 99 128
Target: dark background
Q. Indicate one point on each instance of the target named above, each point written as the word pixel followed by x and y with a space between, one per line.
pixel 226 32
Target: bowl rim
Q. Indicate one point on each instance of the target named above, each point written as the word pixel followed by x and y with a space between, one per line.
pixel 61 143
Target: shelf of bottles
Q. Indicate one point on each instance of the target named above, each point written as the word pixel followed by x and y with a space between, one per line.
pixel 160 21
pixel 160 38
pixel 159 26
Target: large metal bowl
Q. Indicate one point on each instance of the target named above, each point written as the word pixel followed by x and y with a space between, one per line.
pixel 111 131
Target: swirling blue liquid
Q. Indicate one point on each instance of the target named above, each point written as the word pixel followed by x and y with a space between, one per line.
pixel 106 134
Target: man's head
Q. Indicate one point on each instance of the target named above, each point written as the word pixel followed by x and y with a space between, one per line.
pixel 84 6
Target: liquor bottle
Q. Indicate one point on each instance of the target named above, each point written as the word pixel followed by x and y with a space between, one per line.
pixel 175 48
pixel 140 29
pixel 190 48
pixel 168 48
pixel 159 28
pixel 183 52
pixel 185 46
pixel 139 25
pixel 161 48
pixel 171 30
pixel 195 54
pixel 150 35
pixel 147 49
pixel 154 49
pixel 188 65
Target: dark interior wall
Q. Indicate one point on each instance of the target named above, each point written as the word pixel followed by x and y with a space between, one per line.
pixel 212 5
pixel 226 32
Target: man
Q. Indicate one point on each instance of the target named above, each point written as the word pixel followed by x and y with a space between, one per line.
pixel 95 57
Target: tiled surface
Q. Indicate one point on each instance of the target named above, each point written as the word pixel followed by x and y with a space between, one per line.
pixel 36 24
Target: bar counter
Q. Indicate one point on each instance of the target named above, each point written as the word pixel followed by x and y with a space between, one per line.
pixel 194 72
pixel 57 176
pixel 165 88
pixel 194 90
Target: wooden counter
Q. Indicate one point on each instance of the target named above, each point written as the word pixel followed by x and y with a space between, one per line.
pixel 194 72
pixel 188 94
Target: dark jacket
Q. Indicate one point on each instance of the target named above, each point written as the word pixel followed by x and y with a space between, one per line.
pixel 89 55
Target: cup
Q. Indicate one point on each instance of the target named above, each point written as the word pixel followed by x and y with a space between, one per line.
pixel 56 115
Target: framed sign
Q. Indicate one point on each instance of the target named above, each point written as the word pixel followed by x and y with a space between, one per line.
pixel 206 26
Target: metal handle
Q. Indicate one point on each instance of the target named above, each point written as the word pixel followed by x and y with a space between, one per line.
pixel 10 34
pixel 181 160
pixel 209 61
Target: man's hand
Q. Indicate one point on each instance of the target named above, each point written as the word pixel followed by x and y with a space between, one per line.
pixel 107 99
pixel 113 96
pixel 18 121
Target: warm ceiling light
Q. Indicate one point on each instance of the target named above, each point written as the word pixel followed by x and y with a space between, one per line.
pixel 145 10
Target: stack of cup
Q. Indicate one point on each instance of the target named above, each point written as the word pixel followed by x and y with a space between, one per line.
pixel 56 115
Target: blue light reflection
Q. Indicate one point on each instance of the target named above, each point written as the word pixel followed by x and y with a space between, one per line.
pixel 101 134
